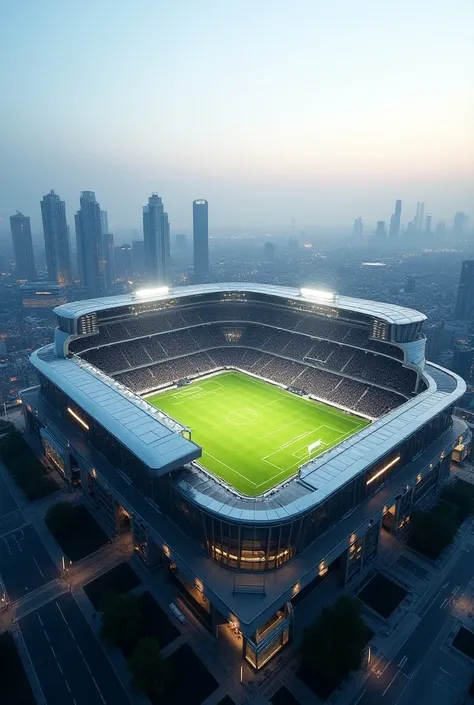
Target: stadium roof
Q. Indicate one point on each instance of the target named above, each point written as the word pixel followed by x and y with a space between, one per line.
pixel 390 313
pixel 146 432
pixel 328 472
pixel 156 439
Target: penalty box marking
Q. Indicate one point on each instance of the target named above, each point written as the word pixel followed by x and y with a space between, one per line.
pixel 301 453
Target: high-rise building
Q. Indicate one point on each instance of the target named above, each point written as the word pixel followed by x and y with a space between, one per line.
pixel 440 231
pixel 428 223
pixel 108 258
pixel 394 230
pixel 56 239
pixel 155 235
pixel 90 260
pixel 138 257
pixel 464 309
pixel 22 246
pixel 417 216
pixel 123 261
pixel 167 236
pixel 358 228
pixel 201 241
pixel 421 218
pixel 181 241
pixel 462 361
pixel 458 225
pixel 380 231
pixel 434 333
pixel 104 222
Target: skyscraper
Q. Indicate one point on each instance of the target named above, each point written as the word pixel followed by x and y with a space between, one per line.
pixel 421 218
pixel 428 223
pixel 56 239
pixel 358 228
pixel 104 222
pixel 167 236
pixel 22 246
pixel 138 257
pixel 201 241
pixel 458 225
pixel 380 231
pixel 90 259
pixel 464 309
pixel 155 235
pixel 108 257
pixel 123 261
pixel 394 230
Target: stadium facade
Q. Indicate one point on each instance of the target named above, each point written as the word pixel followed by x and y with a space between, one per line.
pixel 239 559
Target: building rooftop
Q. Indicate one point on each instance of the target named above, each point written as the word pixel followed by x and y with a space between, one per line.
pixel 148 433
pixel 221 584
pixel 390 313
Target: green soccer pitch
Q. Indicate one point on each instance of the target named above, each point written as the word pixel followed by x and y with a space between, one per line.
pixel 253 434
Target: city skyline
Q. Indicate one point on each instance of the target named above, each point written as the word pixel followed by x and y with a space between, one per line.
pixel 358 109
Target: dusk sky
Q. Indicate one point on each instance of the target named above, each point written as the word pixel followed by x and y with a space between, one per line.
pixel 270 109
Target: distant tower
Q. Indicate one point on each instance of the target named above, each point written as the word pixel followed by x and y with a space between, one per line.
pixel 201 241
pixel 417 216
pixel 90 259
pixel 155 235
pixel 138 257
pixel 421 218
pixel 358 228
pixel 167 236
pixel 104 222
pixel 428 223
pixel 441 229
pixel 380 231
pixel 464 310
pixel 458 225
pixel 394 231
pixel 56 239
pixel 108 257
pixel 22 246
pixel 123 261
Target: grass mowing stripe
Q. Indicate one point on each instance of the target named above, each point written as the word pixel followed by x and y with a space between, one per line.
pixel 243 423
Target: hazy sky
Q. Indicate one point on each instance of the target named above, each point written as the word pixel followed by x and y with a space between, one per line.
pixel 318 109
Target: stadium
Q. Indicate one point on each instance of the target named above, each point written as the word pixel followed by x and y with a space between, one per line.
pixel 252 438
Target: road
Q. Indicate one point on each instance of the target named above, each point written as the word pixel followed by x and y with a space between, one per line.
pixel 71 667
pixel 25 564
pixel 396 681
pixel 7 502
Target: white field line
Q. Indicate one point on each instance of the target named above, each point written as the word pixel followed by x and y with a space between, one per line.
pixel 280 428
pixel 244 477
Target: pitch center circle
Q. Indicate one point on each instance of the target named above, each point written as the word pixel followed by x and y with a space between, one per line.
pixel 241 417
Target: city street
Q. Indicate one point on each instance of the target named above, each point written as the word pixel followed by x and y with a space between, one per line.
pixel 71 667
pixel 397 680
pixel 25 564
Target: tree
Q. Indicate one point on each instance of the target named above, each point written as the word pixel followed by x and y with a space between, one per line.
pixel 61 517
pixel 461 495
pixel 431 532
pixel 149 670
pixel 334 644
pixel 121 620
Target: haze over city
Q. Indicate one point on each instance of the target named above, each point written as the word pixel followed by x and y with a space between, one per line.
pixel 236 352
pixel 270 110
